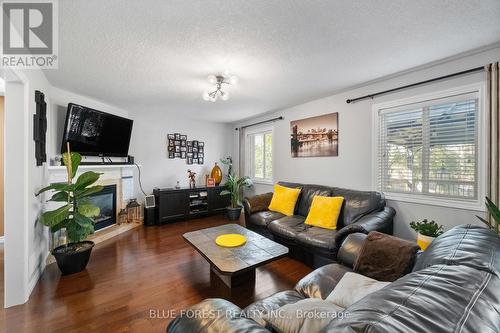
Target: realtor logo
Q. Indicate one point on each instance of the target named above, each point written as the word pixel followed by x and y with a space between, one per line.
pixel 29 34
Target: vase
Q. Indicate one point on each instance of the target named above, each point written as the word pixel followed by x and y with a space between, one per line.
pixel 216 174
pixel 424 241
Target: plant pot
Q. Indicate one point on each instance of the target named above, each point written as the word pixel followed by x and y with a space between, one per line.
pixel 233 214
pixel 424 241
pixel 73 257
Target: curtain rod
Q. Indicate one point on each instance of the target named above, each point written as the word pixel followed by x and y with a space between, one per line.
pixel 353 100
pixel 260 122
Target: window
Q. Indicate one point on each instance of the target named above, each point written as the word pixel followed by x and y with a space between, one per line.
pixel 260 155
pixel 430 149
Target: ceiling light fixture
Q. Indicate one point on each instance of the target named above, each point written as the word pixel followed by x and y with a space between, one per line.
pixel 219 81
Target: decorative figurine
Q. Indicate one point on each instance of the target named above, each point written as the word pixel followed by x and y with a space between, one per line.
pixel 178 186
pixel 192 179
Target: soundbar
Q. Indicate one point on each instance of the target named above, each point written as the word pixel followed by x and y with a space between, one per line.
pixel 106 163
pixel 129 161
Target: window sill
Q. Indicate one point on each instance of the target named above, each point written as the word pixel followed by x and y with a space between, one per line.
pixel 475 205
pixel 262 181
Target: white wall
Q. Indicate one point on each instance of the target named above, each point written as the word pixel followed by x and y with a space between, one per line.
pixel 353 167
pixel 149 147
pixel 24 236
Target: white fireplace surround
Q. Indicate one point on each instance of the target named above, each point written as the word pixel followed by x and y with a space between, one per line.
pixel 120 175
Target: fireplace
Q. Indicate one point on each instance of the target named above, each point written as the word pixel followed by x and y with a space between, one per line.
pixel 106 201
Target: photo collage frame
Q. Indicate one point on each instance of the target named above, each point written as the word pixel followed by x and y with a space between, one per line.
pixel 193 151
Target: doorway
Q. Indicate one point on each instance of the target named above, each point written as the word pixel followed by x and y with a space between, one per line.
pixel 2 90
pixel 1 162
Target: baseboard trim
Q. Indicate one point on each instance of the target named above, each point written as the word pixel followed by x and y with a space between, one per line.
pixel 36 276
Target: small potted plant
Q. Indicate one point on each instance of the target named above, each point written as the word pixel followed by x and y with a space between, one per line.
pixel 75 215
pixel 426 232
pixel 234 186
pixel 493 211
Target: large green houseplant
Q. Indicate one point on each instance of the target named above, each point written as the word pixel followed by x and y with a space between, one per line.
pixel 494 212
pixel 234 187
pixel 75 214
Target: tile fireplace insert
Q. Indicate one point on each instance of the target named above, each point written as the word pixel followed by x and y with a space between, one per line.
pixel 106 201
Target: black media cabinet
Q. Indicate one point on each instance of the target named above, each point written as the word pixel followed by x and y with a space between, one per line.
pixel 179 204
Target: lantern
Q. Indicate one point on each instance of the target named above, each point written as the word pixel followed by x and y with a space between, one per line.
pixel 134 211
pixel 122 216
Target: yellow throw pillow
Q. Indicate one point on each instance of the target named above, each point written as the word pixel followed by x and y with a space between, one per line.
pixel 324 212
pixel 284 199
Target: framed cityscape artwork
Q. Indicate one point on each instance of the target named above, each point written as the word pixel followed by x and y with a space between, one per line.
pixel 315 136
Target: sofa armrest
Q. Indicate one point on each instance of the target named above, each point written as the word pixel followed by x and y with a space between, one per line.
pixel 378 221
pixel 257 203
pixel 320 282
pixel 350 249
pixel 214 315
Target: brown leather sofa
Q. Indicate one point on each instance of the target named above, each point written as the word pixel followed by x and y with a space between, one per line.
pixel 362 211
pixel 453 288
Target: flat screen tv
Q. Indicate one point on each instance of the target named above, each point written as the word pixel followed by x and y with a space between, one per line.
pixel 96 133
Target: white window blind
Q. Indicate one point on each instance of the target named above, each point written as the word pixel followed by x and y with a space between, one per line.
pixel 430 148
pixel 260 155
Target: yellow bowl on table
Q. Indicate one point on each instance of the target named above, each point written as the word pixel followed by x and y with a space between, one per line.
pixel 230 240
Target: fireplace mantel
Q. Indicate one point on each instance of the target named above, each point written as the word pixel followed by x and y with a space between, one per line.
pixel 57 173
pixel 92 167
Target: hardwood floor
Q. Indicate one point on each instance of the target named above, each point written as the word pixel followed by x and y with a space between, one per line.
pixel 142 270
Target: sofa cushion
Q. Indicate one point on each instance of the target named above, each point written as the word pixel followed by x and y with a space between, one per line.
pixel 324 212
pixel 284 199
pixel 264 218
pixel 288 227
pixel 293 185
pixel 357 204
pixel 320 282
pixel 260 308
pixel 353 287
pixel 385 258
pixel 257 203
pixel 318 238
pixel 307 195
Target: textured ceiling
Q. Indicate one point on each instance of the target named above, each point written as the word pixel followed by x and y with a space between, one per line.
pixel 156 54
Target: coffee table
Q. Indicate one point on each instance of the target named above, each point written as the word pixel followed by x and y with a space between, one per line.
pixel 235 266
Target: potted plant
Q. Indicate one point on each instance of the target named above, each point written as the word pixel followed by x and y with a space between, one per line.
pixel 234 186
pixel 75 215
pixel 426 232
pixel 494 212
